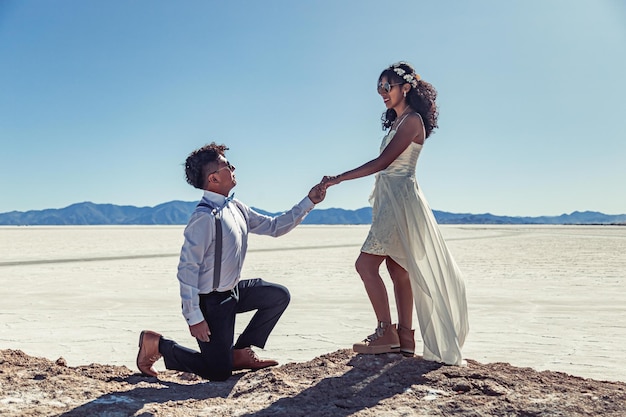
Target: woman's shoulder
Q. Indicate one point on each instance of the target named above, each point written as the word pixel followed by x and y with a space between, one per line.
pixel 413 124
pixel 415 116
pixel 411 120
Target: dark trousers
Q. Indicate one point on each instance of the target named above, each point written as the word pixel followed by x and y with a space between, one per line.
pixel 215 359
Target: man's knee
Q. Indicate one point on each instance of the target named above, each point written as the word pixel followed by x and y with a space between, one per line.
pixel 284 296
pixel 217 368
pixel 217 357
pixel 280 294
pixel 219 375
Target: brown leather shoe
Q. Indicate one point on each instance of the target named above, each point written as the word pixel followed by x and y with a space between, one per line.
pixel 148 352
pixel 246 359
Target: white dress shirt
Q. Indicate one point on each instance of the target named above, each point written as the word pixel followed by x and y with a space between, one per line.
pixel 197 256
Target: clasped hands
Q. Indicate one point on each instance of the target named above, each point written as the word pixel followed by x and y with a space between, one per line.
pixel 318 192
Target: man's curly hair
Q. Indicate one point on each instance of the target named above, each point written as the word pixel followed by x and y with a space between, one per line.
pixel 421 99
pixel 196 164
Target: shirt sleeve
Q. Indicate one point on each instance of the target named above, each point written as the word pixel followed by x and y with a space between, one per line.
pixel 279 225
pixel 198 236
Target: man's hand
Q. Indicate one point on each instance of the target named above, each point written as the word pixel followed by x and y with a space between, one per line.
pixel 200 331
pixel 317 193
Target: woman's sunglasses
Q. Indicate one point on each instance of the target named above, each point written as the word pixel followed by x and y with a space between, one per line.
pixel 385 87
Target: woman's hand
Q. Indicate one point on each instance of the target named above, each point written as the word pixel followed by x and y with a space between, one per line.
pixel 330 180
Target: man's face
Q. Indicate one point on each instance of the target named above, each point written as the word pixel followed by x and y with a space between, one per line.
pixel 223 175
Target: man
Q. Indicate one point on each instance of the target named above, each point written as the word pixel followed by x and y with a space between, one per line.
pixel 209 276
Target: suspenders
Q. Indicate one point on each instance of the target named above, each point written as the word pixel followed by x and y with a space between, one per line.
pixel 217 266
pixel 217 212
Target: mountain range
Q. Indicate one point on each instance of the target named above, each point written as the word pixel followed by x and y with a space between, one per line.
pixel 178 212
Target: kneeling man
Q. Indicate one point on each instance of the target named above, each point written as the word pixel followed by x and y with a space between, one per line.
pixel 209 271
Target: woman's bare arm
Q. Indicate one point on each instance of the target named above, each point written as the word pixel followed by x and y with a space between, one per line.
pixel 411 130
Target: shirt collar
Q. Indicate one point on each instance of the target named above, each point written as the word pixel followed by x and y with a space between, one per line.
pixel 218 200
pixel 215 198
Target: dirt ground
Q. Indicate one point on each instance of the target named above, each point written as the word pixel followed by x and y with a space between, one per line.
pixel 340 383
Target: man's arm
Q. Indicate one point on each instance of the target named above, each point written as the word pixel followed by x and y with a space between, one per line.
pixel 198 236
pixel 285 222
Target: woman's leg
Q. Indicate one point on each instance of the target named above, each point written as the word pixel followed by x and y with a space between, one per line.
pixel 385 338
pixel 368 265
pixel 404 304
pixel 402 292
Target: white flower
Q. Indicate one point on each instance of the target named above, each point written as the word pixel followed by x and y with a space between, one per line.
pixel 409 78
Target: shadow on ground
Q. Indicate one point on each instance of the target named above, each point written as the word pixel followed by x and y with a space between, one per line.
pixel 367 383
pixel 149 390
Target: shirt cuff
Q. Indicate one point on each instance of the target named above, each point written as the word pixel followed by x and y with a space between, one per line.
pixel 306 204
pixel 194 317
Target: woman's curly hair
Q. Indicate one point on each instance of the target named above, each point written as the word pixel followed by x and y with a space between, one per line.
pixel 421 98
pixel 196 164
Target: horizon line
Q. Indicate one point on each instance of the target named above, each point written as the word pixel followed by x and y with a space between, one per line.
pixel 320 209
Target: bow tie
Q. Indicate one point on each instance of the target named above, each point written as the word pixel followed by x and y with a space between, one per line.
pixel 220 208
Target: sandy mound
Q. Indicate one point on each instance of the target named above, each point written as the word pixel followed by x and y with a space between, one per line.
pixel 337 384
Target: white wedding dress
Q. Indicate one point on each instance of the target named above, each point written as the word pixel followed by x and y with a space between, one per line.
pixel 404 228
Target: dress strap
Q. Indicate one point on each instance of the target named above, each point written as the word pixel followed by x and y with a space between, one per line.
pixel 407 115
pixel 402 121
pixel 423 125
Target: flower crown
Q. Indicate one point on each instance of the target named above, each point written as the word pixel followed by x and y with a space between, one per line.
pixel 411 78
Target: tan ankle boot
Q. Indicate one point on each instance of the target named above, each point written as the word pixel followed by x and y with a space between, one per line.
pixel 383 340
pixel 407 341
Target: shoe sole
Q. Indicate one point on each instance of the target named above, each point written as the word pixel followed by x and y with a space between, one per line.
pixel 141 335
pixel 256 368
pixel 376 350
pixel 139 353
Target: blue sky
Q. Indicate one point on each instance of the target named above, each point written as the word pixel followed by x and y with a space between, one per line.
pixel 103 100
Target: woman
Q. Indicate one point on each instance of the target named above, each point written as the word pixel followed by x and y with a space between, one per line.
pixel 404 232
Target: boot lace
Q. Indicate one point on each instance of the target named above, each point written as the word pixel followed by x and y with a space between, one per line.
pixel 378 333
pixel 253 355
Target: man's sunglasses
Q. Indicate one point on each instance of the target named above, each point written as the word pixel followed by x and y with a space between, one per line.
pixel 385 87
pixel 228 165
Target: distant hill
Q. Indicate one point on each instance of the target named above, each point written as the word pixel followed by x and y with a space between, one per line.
pixel 178 212
pixel 576 217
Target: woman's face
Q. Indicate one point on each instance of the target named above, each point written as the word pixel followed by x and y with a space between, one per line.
pixel 390 92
